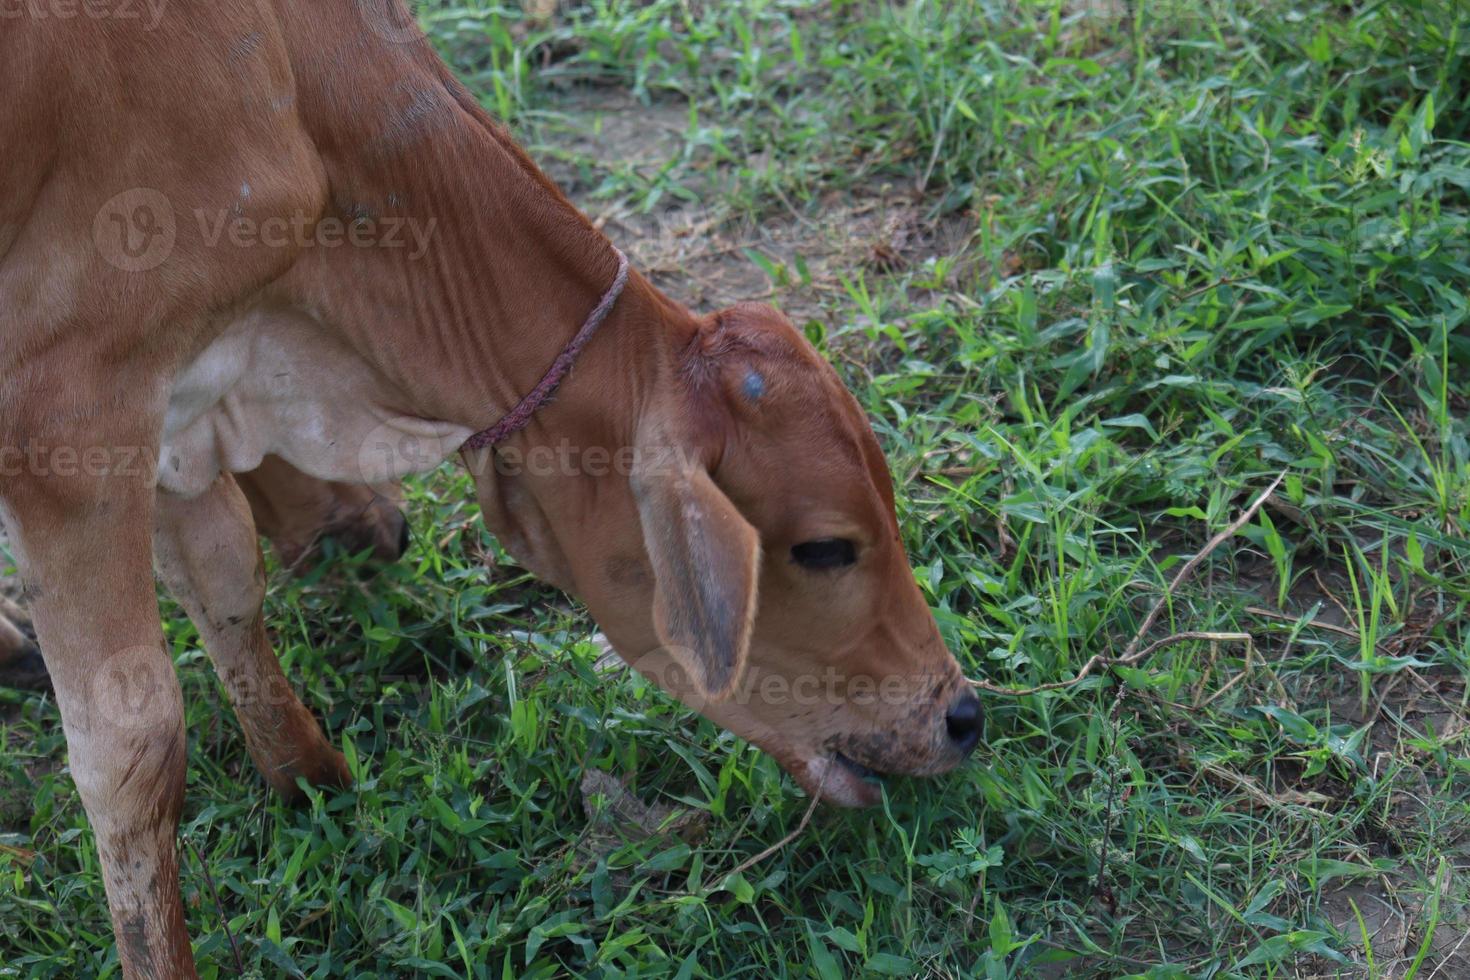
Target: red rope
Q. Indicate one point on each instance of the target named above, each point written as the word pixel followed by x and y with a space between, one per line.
pixel 520 416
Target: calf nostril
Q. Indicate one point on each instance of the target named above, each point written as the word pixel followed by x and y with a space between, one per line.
pixel 963 722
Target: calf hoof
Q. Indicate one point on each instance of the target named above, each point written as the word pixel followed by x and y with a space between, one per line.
pixel 24 669
pixel 381 530
pixel 322 768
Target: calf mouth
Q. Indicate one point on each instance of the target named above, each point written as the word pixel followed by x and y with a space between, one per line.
pixel 841 780
pixel 858 769
pixel 852 771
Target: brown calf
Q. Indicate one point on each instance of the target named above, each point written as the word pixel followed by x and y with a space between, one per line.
pixel 196 272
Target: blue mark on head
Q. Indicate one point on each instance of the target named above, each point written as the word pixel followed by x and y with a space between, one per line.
pixel 754 386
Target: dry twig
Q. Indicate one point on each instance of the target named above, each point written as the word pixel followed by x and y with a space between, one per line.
pixel 806 817
pixel 1315 623
pixel 1132 654
pixel 1282 801
pixel 224 920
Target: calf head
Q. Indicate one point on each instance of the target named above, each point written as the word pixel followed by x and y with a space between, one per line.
pixel 757 571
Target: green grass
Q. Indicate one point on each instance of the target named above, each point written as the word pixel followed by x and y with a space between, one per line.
pixel 1155 254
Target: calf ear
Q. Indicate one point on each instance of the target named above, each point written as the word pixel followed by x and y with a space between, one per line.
pixel 705 559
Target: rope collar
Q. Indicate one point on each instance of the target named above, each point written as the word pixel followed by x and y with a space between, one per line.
pixel 519 417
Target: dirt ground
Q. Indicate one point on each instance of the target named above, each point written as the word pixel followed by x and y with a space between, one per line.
pixel 697 253
pixel 1390 909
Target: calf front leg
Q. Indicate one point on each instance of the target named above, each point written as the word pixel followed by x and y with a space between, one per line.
pixel 85 548
pixel 208 555
pixel 293 510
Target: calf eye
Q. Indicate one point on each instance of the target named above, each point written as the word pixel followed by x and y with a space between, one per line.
pixel 824 553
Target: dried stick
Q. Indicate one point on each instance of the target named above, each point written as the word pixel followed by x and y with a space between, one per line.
pixel 1315 623
pixel 219 906
pixel 1132 654
pixel 806 817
